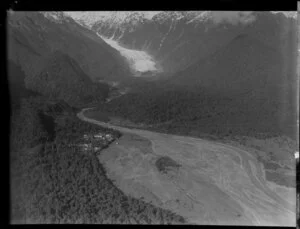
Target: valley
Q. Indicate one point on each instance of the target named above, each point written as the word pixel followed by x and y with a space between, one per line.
pixel 236 193
pixel 153 117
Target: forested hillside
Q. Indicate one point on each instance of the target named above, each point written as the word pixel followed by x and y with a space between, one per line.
pixel 196 111
pixel 16 83
pixel 246 87
pixel 63 79
pixel 33 36
pixel 53 180
pixel 51 55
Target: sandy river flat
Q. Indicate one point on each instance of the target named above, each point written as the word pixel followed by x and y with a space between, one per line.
pixel 214 184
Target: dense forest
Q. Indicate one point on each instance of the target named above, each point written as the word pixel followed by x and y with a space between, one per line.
pixel 195 111
pixel 54 181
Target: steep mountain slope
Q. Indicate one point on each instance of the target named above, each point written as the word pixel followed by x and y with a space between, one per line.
pixel 170 40
pixel 63 79
pixel 178 39
pixel 60 58
pixel 32 35
pixel 16 83
pixel 259 74
pixel 243 65
pixel 245 87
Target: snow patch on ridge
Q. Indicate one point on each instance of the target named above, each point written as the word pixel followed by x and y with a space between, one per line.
pixel 89 18
pixel 139 61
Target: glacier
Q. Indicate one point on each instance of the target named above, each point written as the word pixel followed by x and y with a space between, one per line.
pixel 139 61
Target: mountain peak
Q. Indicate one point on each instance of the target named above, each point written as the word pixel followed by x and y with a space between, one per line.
pixel 115 18
pixel 55 16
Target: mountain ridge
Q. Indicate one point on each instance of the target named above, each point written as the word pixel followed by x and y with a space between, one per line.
pixel 80 43
pixel 37 43
pixel 117 18
pixel 178 42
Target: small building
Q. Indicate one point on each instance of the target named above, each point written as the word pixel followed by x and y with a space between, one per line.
pixel 85 136
pixel 108 137
pixel 86 146
pixel 97 148
pixel 99 136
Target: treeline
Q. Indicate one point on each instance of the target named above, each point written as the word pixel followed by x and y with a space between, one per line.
pixel 59 183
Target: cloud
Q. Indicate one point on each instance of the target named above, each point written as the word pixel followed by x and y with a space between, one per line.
pixel 233 17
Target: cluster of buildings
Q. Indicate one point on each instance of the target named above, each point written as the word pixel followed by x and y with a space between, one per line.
pixel 95 142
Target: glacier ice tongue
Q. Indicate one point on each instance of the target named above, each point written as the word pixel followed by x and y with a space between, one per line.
pixel 139 61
